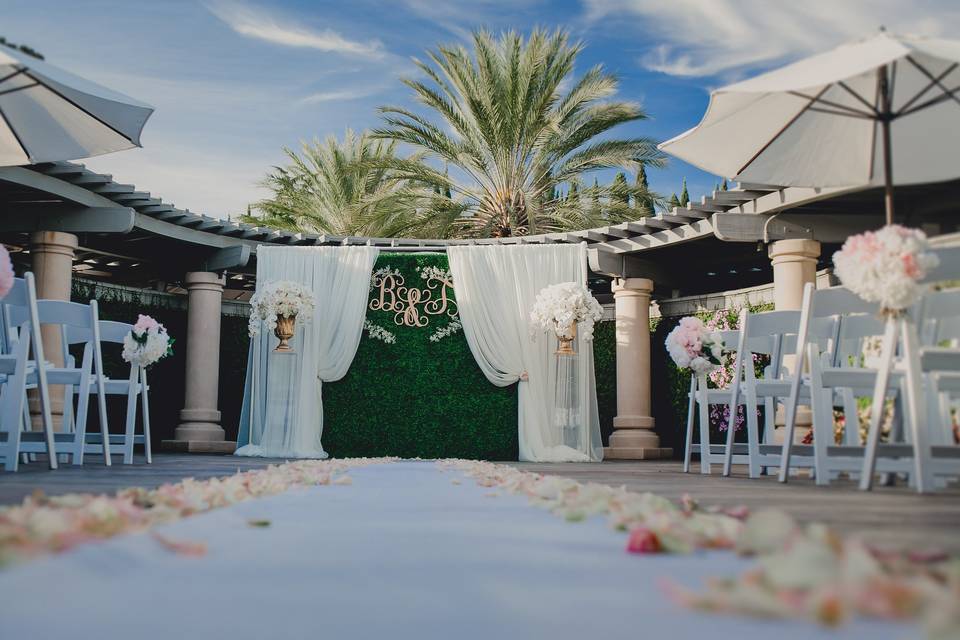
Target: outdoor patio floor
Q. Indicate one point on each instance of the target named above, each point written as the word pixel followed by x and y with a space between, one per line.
pixel 893 516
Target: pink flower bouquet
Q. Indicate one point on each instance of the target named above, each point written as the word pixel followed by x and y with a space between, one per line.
pixel 693 346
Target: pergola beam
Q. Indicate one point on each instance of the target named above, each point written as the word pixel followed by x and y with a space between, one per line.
pixel 751 227
pixel 27 218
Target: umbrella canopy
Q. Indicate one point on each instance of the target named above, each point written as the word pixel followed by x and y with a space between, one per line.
pixel 881 111
pixel 47 114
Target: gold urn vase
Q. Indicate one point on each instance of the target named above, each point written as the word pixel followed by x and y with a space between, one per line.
pixel 284 331
pixel 565 345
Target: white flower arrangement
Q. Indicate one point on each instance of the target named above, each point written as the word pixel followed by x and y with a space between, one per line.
pixel 694 346
pixel 279 297
pixel 379 333
pixel 437 273
pixel 886 266
pixel 377 276
pixel 450 329
pixel 562 307
pixel 146 343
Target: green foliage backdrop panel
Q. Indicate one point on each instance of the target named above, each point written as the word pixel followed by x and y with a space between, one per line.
pixel 416 397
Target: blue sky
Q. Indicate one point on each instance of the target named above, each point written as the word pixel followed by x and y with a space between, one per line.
pixel 235 81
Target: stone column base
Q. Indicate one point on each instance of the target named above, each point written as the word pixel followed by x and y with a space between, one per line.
pixel 636 443
pixel 199 432
pixel 637 453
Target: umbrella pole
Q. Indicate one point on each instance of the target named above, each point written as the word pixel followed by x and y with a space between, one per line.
pixel 885 118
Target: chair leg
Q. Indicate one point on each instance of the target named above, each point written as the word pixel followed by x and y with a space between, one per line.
pixel 131 420
pixel 687 438
pixel 879 399
pixel 704 426
pixel 915 413
pixel 145 407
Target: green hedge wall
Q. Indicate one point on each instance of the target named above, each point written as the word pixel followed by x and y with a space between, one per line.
pixel 416 397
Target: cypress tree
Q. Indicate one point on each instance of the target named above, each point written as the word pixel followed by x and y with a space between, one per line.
pixel 619 192
pixel 684 195
pixel 723 187
pixel 674 201
pixel 642 203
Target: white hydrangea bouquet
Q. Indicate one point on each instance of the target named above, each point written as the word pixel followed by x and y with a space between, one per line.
pixel 886 266
pixel 146 343
pixel 692 345
pixel 565 309
pixel 279 298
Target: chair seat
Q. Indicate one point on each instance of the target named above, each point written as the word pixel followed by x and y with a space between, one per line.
pixel 940 359
pixel 894 450
pixel 856 378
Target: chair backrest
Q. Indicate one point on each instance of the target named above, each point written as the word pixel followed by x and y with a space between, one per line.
pixel 949 267
pixel 939 317
pixel 113 331
pixel 856 330
pixel 768 333
pixel 17 297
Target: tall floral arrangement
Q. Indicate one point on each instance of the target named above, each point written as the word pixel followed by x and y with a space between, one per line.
pixel 886 266
pixel 6 272
pixel 694 346
pixel 283 298
pixel 564 309
pixel 146 343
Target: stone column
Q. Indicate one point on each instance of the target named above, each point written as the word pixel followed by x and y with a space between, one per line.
pixel 633 437
pixel 199 430
pixel 794 265
pixel 52 254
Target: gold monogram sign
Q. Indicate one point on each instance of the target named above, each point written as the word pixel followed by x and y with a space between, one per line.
pixel 413 307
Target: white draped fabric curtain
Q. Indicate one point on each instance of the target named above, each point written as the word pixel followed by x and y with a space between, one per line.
pixel 496 286
pixel 282 412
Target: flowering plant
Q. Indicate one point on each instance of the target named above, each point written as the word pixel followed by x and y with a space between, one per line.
pixel 6 272
pixel 886 266
pixel 146 343
pixel 693 346
pixel 279 298
pixel 560 307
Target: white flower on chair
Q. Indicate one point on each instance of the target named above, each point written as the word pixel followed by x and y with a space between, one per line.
pixel 693 346
pixel 886 266
pixel 146 343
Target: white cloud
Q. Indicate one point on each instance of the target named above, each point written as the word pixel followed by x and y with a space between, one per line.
pixel 256 23
pixel 340 95
pixel 708 37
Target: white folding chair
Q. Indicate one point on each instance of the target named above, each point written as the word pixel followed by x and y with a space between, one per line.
pixel 78 324
pixel 702 397
pixel 774 334
pixel 19 323
pixel 839 382
pixel 820 313
pixel 133 387
pixel 928 367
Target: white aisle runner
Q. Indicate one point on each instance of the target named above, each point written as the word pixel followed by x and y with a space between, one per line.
pixel 402 553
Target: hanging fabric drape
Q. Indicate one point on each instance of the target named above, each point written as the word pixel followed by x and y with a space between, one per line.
pixel 496 287
pixel 282 413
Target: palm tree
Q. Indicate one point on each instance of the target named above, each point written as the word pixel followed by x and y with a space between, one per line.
pixel 512 134
pixel 346 188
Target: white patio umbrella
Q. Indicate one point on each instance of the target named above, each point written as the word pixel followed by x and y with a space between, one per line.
pixel 47 114
pixel 885 110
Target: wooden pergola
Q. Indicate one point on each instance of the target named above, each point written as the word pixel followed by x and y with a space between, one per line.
pixel 61 219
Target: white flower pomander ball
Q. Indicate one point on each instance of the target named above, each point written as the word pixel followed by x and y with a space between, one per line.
pixel 279 297
pixel 886 266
